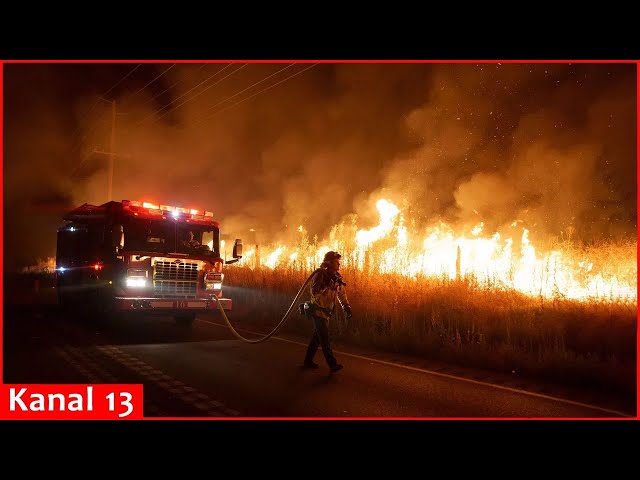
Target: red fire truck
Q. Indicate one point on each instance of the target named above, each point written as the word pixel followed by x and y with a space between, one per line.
pixel 132 256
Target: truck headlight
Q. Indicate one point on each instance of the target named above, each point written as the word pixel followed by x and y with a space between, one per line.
pixel 213 280
pixel 136 278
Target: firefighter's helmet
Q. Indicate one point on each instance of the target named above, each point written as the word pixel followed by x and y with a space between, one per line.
pixel 331 255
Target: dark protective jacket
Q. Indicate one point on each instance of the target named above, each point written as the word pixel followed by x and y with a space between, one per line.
pixel 324 292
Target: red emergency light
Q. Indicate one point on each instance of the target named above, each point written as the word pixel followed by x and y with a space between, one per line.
pixel 178 212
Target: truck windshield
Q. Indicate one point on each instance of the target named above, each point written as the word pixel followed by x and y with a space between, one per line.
pixel 164 236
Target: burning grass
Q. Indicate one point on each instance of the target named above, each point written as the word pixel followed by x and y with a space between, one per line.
pixel 42 266
pixel 584 343
pixel 511 259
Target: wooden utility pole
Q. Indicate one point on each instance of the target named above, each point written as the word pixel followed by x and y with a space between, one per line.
pixel 112 153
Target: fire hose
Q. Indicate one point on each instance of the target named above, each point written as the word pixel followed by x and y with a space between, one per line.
pixel 277 327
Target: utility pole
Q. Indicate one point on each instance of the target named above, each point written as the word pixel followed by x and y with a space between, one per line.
pixel 112 153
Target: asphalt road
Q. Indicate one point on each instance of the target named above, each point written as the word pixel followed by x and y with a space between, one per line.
pixel 207 372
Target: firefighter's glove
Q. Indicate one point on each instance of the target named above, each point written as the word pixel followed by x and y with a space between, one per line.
pixel 348 313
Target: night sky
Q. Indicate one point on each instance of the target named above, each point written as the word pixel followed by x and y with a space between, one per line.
pixel 273 146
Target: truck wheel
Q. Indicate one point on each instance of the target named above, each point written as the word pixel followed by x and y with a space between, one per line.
pixel 185 319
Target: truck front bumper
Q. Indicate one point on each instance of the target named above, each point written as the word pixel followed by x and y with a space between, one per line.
pixel 171 304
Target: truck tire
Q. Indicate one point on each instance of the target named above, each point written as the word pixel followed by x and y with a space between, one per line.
pixel 185 319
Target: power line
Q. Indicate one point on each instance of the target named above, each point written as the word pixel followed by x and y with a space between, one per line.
pixel 199 93
pixel 260 91
pixel 170 87
pixel 134 94
pixel 165 90
pixel 122 79
pixel 242 91
pixel 101 98
pixel 185 93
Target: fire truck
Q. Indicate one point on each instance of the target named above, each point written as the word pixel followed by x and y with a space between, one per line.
pixel 131 256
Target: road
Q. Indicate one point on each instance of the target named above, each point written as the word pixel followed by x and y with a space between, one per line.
pixel 207 372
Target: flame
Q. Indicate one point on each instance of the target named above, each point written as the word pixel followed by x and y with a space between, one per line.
pixel 477 230
pixel 388 212
pixel 493 261
pixel 272 259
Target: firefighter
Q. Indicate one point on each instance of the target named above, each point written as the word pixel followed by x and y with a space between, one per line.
pixel 189 241
pixel 326 286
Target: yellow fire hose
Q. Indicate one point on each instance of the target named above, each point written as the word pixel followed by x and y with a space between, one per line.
pixel 278 326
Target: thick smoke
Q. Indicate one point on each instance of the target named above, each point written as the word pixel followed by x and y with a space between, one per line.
pixel 270 147
pixel 552 147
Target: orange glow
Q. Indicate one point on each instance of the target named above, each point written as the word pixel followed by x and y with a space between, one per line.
pixel 491 259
